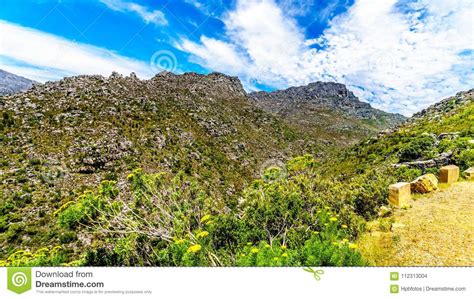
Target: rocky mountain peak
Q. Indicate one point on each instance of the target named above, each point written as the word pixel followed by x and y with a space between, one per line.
pixel 327 89
pixel 117 87
pixel 316 95
pixel 330 94
pixel 213 84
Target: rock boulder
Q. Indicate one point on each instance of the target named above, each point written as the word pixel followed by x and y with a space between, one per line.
pixel 425 183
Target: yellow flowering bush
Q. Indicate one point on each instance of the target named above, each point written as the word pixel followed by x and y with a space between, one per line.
pixel 194 248
pixel 42 257
pixel 304 226
pixel 202 234
pixel 263 255
pixel 205 218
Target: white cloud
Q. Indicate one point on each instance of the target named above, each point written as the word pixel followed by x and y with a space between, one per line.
pixel 210 8
pixel 215 54
pixel 41 56
pixel 263 49
pixel 156 17
pixel 399 60
pixel 297 8
pixel 325 9
pixel 33 73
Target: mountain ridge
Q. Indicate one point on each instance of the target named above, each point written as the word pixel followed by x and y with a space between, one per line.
pixel 329 109
pixel 332 94
pixel 11 83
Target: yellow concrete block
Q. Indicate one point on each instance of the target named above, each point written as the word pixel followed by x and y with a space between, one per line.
pixel 399 194
pixel 470 174
pixel 449 174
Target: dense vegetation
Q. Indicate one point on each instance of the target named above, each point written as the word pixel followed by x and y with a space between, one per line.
pixel 307 211
pixel 159 219
pixel 62 138
pixel 447 127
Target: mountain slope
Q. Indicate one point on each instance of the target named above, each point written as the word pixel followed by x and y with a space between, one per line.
pixel 175 156
pixel 62 137
pixel 330 109
pixel 445 129
pixel 92 124
pixel 11 83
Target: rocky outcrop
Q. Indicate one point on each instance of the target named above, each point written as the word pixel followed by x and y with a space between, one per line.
pixel 214 84
pixel 441 160
pixel 424 184
pixel 444 107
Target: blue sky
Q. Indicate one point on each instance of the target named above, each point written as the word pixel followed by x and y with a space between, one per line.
pixel 400 56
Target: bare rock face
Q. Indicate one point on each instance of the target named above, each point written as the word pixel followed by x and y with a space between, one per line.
pixel 425 183
pixel 11 83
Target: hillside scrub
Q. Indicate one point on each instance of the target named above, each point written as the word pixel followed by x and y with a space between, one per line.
pixel 421 138
pixel 193 203
pixel 62 138
pixel 289 217
pixel 171 221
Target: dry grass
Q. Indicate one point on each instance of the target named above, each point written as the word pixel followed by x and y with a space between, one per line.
pixel 438 230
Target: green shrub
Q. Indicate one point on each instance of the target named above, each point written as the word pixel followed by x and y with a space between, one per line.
pixel 89 206
pixel 71 217
pixel 301 163
pixel 265 255
pixel 14 231
pixel 228 232
pixel 42 257
pixel 465 159
pixel 419 147
pixel 273 173
pixel 274 207
pixel 7 120
pixel 406 174
pixel 184 252
pixel 67 237
pixel 3 223
pixel 321 251
pixel 317 251
pixel 34 162
pixel 283 210
pixel 101 257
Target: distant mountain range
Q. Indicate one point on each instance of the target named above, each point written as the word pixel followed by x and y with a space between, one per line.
pixel 329 108
pixel 11 83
